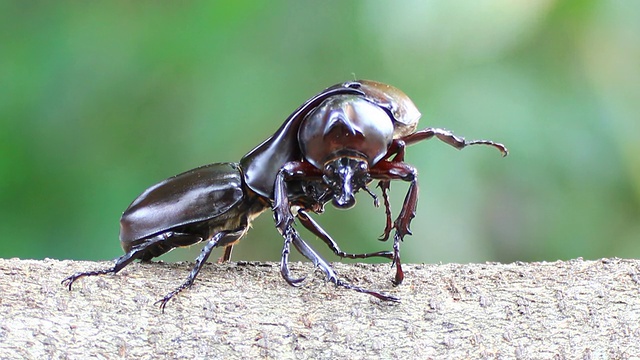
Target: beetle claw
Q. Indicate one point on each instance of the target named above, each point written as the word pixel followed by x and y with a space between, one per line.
pixel 376 294
pixel 295 281
pixel 67 282
pixel 163 302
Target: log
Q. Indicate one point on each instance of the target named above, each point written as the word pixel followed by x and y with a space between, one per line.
pixel 549 310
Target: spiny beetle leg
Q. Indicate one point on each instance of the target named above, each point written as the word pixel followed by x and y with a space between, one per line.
pixel 221 238
pixel 318 261
pixel 386 170
pixel 289 233
pixel 135 252
pixel 396 260
pixel 448 137
pixel 68 281
pixel 281 206
pixel 384 186
pixel 318 231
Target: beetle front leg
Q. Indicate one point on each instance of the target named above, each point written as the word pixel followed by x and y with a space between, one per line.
pixel 281 206
pixel 448 137
pixel 292 236
pixel 384 185
pixel 318 261
pixel 284 260
pixel 387 170
pixel 397 150
pixel 318 231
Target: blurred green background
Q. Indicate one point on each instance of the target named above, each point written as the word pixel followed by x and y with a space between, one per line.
pixel 100 100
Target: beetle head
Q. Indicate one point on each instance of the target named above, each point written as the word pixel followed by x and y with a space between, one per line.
pixel 345 176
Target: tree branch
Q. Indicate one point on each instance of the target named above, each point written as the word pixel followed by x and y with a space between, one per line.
pixel 574 309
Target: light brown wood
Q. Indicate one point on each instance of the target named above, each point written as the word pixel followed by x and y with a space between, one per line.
pixel 574 310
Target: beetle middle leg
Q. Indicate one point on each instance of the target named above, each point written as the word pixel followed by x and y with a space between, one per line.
pixel 220 238
pixel 227 254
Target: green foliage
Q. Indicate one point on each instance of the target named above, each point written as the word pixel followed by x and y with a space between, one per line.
pixel 99 100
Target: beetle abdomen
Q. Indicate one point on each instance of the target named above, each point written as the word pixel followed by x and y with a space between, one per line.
pixel 193 196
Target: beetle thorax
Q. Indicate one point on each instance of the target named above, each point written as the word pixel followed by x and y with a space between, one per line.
pixel 345 124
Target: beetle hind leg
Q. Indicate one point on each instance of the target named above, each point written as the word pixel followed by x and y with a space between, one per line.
pixel 135 252
pixel 144 250
pixel 68 281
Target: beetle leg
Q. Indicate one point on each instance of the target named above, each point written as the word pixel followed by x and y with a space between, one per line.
pixel 376 202
pixel 282 210
pixel 227 254
pixel 388 170
pixel 284 261
pixel 221 238
pixel 448 137
pixel 315 228
pixel 138 251
pixel 396 148
pixel 384 186
pixel 318 261
pixel 281 206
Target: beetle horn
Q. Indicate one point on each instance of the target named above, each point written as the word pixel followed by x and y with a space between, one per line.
pixel 340 120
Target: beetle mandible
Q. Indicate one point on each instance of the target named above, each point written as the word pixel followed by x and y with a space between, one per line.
pixel 331 147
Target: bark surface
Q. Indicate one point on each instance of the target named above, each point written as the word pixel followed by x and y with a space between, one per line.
pixel 575 310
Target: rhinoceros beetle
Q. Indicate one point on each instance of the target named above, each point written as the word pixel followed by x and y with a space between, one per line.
pixel 332 146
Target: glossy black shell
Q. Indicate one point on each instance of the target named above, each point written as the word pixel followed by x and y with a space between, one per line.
pixel 193 196
pixel 261 165
pixel 345 123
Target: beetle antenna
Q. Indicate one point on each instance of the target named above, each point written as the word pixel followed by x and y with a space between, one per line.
pixel 376 202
